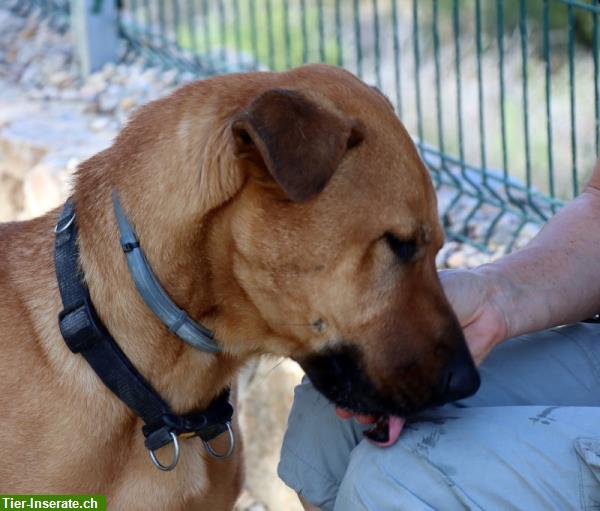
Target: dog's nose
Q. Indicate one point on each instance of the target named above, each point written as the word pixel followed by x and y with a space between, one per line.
pixel 460 378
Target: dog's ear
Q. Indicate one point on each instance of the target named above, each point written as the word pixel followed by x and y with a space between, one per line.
pixel 299 142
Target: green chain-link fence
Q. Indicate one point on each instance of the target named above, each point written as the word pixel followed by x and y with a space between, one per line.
pixel 502 96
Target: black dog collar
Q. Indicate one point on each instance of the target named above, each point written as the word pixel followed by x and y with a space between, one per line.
pixel 84 333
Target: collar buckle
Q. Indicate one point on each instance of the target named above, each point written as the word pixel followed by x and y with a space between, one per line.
pixel 79 328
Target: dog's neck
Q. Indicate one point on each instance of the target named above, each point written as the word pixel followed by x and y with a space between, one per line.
pixel 180 244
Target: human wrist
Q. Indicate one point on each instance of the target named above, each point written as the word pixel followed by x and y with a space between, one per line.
pixel 500 294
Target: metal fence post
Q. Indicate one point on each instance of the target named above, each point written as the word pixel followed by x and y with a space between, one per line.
pixel 95 32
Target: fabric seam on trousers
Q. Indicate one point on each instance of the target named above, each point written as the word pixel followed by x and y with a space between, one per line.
pixel 580 477
pixel 582 464
pixel 310 465
pixel 455 488
pixel 595 363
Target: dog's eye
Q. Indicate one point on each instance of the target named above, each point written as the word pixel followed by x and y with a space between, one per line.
pixel 404 250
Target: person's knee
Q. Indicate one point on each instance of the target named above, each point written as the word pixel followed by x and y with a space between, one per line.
pixel 468 458
pixel 316 448
pixel 397 478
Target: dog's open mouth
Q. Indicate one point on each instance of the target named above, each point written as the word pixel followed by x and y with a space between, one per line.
pixel 385 430
pixel 338 375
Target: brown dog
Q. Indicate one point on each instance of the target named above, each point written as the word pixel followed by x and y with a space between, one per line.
pixel 288 212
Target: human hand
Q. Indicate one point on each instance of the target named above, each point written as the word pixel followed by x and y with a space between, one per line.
pixel 474 297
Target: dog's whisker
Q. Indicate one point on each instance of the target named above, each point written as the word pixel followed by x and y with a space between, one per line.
pixel 276 365
pixel 293 324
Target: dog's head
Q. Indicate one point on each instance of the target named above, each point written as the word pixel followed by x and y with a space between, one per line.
pixel 319 231
pixel 334 237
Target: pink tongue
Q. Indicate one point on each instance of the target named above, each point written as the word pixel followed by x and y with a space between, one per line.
pixel 395 425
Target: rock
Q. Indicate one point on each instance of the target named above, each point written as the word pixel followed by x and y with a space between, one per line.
pixel 70 95
pixel 10 55
pixel 120 120
pixel 529 231
pixel 31 74
pixel 456 260
pixel 97 79
pixel 477 259
pixel 54 63
pixel 247 503
pixel 41 144
pixel 61 79
pixel 11 196
pixel 43 189
pixel 72 165
pixel 448 248
pixel 187 76
pixel 91 90
pixel 107 103
pixel 50 92
pixel 30 29
pixel 19 153
pixel 122 70
pixel 36 94
pixel 108 71
pixel 99 124
pixel 149 75
pixel 127 103
pixel 169 77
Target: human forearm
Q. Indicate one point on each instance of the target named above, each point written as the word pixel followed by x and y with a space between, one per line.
pixel 555 279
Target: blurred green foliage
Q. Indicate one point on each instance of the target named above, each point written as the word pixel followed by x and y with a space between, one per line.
pixel 558 16
pixel 276 34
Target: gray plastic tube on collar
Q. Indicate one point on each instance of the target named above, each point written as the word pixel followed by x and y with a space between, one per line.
pixel 155 297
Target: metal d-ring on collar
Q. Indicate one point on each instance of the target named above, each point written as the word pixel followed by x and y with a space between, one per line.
pixel 229 450
pixel 207 446
pixel 174 461
pixel 63 224
pixel 153 293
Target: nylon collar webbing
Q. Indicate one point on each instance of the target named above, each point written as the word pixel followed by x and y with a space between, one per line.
pixel 84 333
